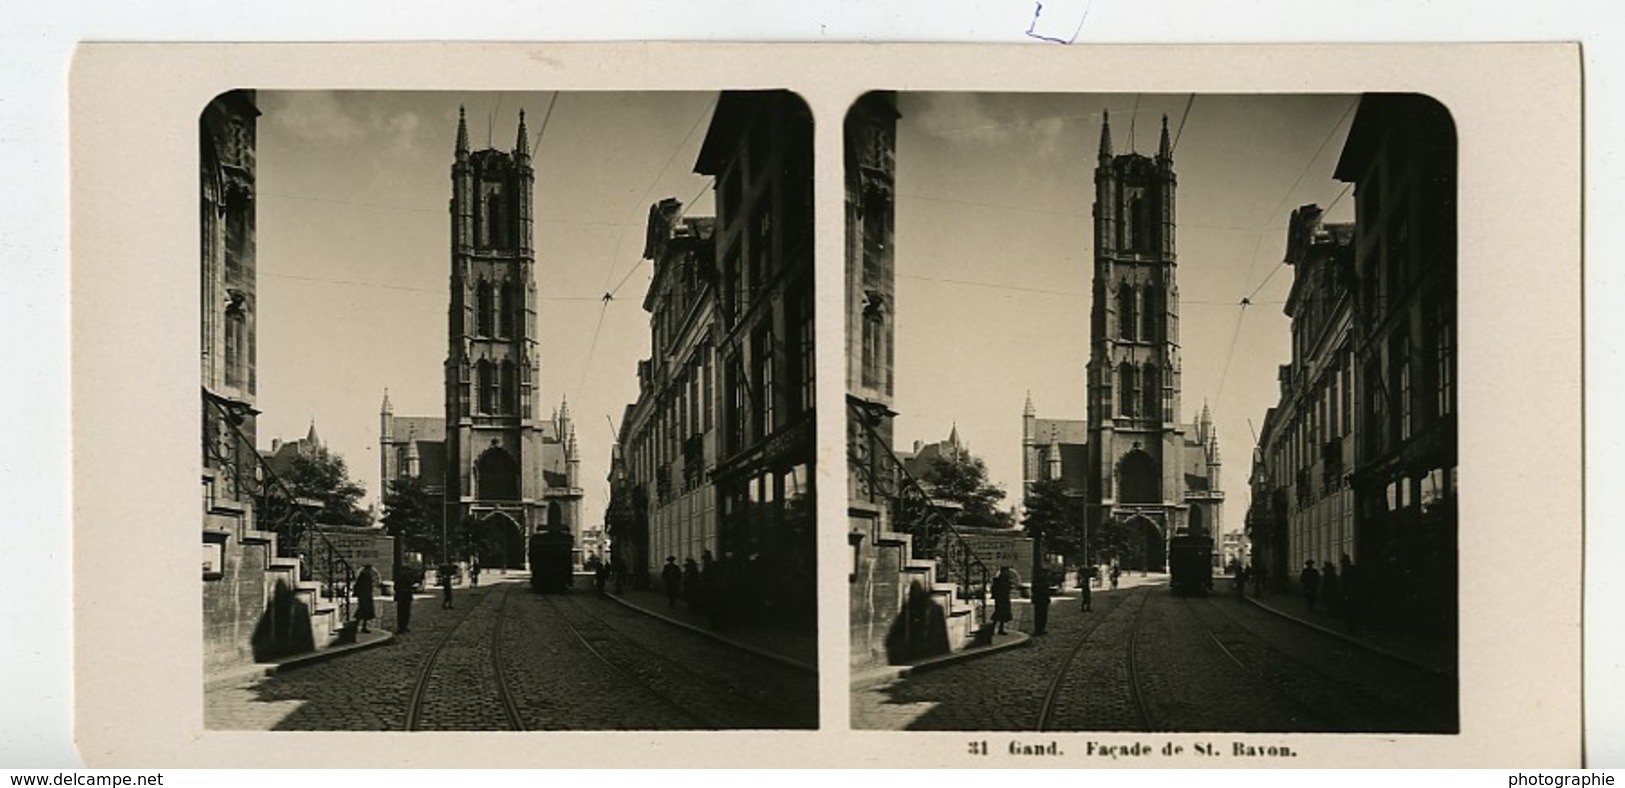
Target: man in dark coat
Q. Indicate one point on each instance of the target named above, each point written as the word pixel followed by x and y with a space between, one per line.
pixel 1309 578
pixel 672 577
pixel 405 578
pixel 691 584
pixel 1040 602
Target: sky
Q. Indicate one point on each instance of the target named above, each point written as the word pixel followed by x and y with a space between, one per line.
pixel 354 253
pixel 994 250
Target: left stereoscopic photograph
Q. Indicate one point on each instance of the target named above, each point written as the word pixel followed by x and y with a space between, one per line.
pixel 507 411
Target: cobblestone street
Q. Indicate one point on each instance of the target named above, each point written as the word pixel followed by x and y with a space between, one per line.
pixel 505 658
pixel 1147 660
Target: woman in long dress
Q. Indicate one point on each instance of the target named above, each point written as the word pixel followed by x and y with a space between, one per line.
pixel 1001 599
pixel 364 585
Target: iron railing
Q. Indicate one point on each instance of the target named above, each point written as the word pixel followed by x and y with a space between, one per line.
pixel 881 478
pixel 242 473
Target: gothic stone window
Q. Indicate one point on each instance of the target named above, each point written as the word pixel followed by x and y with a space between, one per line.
pixel 1141 478
pixel 483 309
pixel 1151 387
pixel 1128 388
pixel 498 475
pixel 485 381
pixel 1127 319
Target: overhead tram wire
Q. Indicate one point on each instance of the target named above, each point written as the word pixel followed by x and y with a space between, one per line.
pixel 644 199
pixel 610 294
pixel 1275 211
pixel 1182 118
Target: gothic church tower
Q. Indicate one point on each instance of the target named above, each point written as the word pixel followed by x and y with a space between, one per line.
pixel 1136 444
pixel 494 459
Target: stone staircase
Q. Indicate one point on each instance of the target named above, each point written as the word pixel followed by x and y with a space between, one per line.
pixel 258 604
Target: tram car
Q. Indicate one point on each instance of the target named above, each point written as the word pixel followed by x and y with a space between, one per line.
pixel 1190 564
pixel 551 566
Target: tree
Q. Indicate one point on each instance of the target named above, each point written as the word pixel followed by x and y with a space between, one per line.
pixel 322 476
pixel 412 516
pixel 962 479
pixel 1059 517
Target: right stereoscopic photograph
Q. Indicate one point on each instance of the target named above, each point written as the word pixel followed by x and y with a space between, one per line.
pixel 1152 412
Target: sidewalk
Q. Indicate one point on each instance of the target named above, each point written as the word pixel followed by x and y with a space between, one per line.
pixel 800 649
pixel 1426 653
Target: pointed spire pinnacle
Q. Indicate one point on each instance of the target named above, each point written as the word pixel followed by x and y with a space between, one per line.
pixel 1105 134
pixel 1028 410
pixel 311 437
pixel 522 148
pixel 462 132
pixel 1165 151
pixel 953 436
pixel 386 409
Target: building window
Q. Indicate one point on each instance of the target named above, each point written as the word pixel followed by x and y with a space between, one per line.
pixel 762 413
pixel 1126 318
pixel 1128 388
pixel 510 388
pixel 1401 354
pixel 484 310
pixel 509 304
pixel 709 392
pixel 1151 315
pixel 806 359
pixel 486 383
pixel 1443 359
pixel 1137 231
pixel 1151 387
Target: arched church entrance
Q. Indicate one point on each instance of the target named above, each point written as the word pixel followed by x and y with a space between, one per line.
pixel 498 541
pixel 1146 550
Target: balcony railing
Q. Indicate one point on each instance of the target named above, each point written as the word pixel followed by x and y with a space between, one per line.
pixel 881 478
pixel 242 473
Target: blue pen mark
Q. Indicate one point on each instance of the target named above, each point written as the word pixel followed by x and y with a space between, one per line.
pixel 1038 11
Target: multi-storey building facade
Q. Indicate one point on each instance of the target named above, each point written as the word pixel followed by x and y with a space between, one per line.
pixel 717 453
pixel 1309 440
pixel 507 472
pixel 1401 158
pixel 670 435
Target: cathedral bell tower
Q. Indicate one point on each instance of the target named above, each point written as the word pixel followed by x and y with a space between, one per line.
pixel 1135 441
pixel 492 375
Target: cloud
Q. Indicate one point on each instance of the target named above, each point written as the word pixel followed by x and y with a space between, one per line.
pixel 978 119
pixel 324 117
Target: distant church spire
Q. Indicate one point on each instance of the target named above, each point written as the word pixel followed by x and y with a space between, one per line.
pixel 311 438
pixel 1028 409
pixel 462 134
pixel 522 147
pixel 386 408
pixel 1165 151
pixel 1105 134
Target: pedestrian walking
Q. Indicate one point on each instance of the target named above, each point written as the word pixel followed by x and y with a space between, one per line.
pixel 405 578
pixel 1353 595
pixel 473 573
pixel 1087 593
pixel 600 578
pixel 691 584
pixel 1309 580
pixel 672 577
pixel 1001 600
pixel 1331 590
pixel 1040 602
pixel 1241 582
pixel 445 573
pixel 1115 572
pixel 365 582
